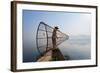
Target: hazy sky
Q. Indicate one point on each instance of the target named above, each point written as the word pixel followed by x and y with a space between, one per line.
pixel 68 22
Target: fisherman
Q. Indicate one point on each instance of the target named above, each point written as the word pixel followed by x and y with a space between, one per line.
pixel 54 37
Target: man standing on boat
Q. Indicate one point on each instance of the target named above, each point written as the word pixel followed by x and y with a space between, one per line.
pixel 54 37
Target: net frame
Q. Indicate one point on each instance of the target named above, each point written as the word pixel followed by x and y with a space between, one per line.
pixel 48 45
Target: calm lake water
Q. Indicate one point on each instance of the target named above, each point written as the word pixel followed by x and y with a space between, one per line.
pixel 76 47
